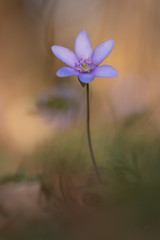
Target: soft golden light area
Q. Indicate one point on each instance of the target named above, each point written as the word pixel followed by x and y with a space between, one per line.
pixel 27 65
pixel 24 128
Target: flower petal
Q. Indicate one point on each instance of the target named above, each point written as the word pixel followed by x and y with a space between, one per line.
pixel 65 55
pixel 86 77
pixel 105 71
pixel 102 51
pixel 66 72
pixel 83 46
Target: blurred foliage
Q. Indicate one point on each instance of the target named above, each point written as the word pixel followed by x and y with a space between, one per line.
pixel 129 161
pixel 57 103
pixel 53 103
pixel 19 176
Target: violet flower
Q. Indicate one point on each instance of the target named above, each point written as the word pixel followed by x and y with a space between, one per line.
pixel 85 63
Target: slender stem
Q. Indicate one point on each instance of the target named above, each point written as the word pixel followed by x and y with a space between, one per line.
pixel 89 138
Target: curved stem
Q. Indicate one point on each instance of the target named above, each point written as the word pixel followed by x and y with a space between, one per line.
pixel 89 138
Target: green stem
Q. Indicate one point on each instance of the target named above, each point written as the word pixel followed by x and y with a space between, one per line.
pixel 89 138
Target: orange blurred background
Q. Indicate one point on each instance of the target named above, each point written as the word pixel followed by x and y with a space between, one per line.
pixel 28 29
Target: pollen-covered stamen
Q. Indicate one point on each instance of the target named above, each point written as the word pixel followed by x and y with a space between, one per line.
pixel 85 65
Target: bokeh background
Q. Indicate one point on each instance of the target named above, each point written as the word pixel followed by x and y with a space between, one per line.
pixel 46 174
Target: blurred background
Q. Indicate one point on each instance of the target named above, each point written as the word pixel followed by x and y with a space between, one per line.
pixel 43 146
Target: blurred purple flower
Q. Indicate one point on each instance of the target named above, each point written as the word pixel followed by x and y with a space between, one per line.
pixel 60 105
pixel 85 62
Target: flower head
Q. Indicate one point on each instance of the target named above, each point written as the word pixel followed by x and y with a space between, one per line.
pixel 84 63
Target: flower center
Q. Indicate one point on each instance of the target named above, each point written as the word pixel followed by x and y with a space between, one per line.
pixel 85 68
pixel 85 65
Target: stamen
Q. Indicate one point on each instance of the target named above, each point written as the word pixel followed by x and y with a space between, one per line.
pixel 85 65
